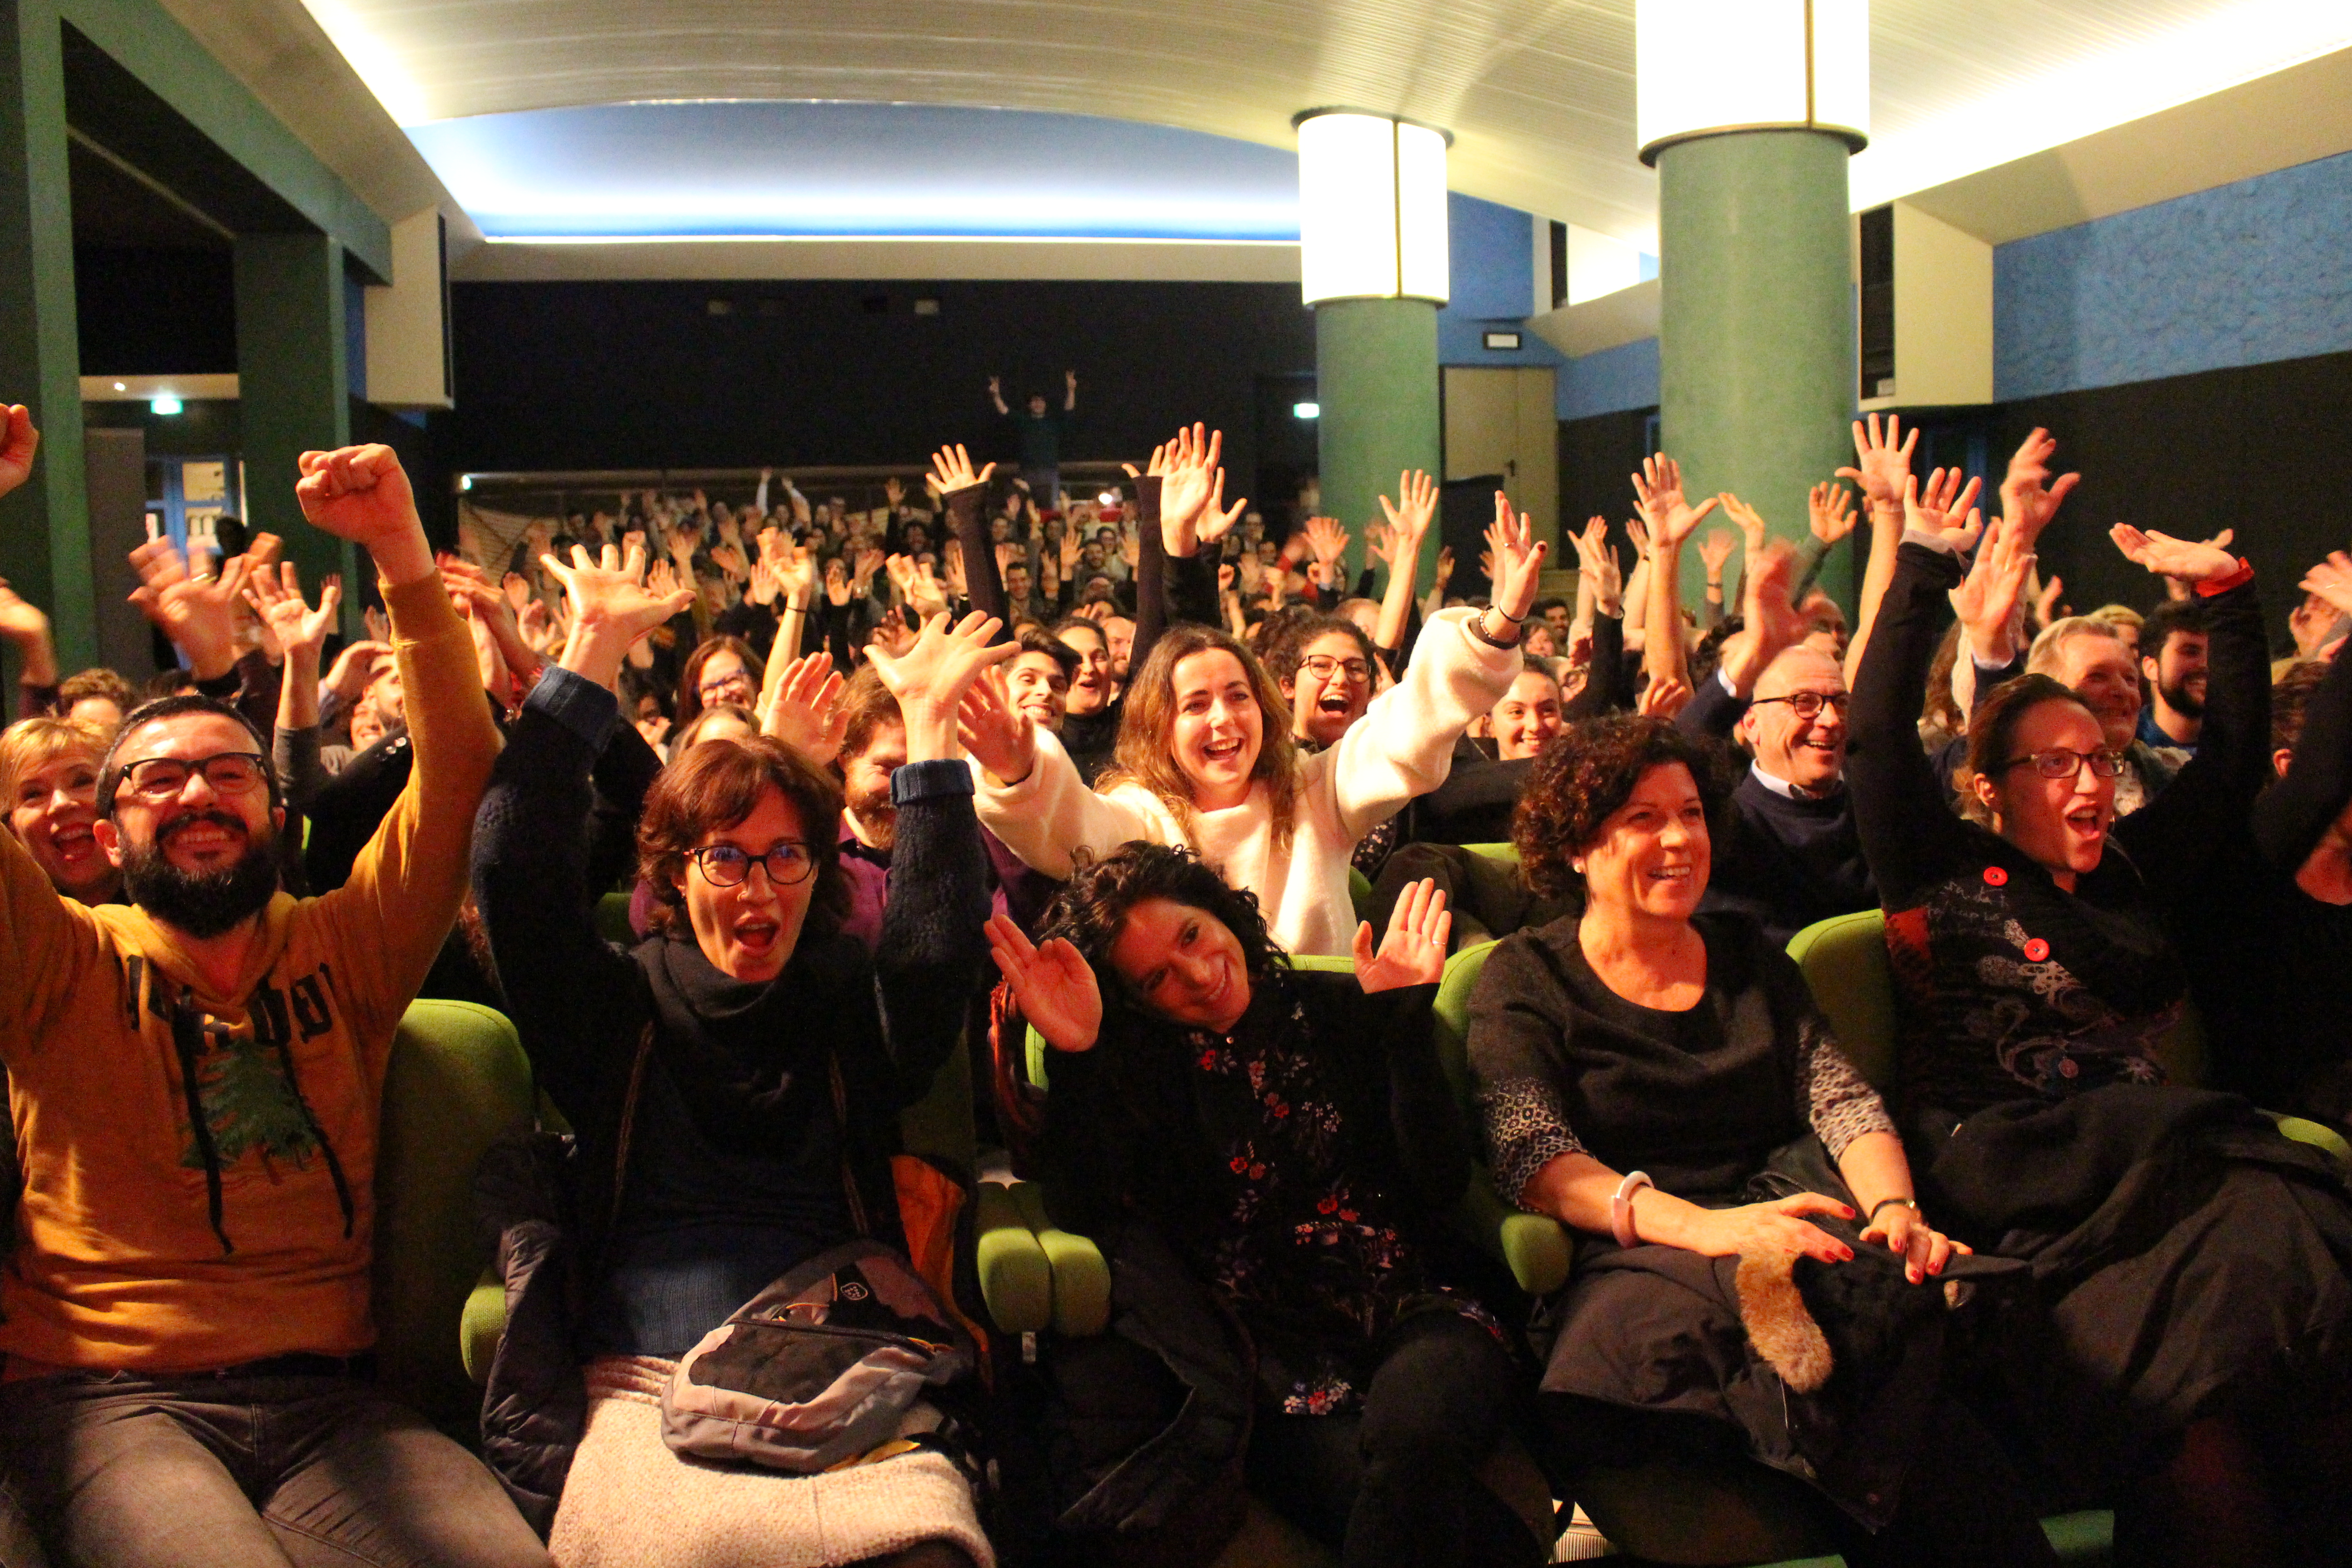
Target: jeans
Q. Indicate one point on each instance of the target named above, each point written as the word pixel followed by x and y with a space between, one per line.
pixel 124 1470
pixel 1398 1482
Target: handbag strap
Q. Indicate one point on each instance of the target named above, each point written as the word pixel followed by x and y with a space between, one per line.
pixel 629 1122
pixel 857 1215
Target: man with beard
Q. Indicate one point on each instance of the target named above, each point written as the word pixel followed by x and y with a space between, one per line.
pixel 2172 659
pixel 196 1083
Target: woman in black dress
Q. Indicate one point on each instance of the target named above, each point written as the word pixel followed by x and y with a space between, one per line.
pixel 1290 1136
pixel 2190 1262
pixel 1660 1081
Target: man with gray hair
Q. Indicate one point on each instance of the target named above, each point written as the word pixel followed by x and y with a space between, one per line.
pixel 1792 856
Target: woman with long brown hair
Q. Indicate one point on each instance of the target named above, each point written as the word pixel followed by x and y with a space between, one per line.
pixel 1206 758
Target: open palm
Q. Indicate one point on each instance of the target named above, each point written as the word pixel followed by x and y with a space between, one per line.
pixel 1658 494
pixel 1414 951
pixel 1056 990
pixel 277 598
pixel 608 593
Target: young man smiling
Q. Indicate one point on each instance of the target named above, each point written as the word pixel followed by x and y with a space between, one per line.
pixel 196 1078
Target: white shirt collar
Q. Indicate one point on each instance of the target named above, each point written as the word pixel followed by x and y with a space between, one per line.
pixel 1787 791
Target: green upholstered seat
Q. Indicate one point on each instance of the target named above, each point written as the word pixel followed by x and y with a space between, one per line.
pixel 613 920
pixel 458 1082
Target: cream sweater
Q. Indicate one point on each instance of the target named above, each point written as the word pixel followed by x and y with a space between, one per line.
pixel 1403 747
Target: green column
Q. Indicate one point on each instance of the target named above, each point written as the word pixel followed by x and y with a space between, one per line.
pixel 45 526
pixel 292 389
pixel 1756 347
pixel 1376 381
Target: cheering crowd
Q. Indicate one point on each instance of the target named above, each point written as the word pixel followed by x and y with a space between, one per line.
pixel 878 790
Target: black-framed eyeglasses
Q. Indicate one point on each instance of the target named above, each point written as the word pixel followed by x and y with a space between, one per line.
pixel 155 779
pixel 1809 704
pixel 739 678
pixel 1323 666
pixel 725 866
pixel 2060 763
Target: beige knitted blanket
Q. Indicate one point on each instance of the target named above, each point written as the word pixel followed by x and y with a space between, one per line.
pixel 632 1503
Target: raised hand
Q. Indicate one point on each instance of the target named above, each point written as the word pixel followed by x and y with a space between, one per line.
pixel 611 608
pixel 300 631
pixel 1409 517
pixel 1189 478
pixel 2188 560
pixel 2332 580
pixel 352 668
pixel 868 561
pixel 1749 520
pixel 836 583
pixel 1932 508
pixel 1327 539
pixel 1637 534
pixel 1658 495
pixel 729 561
pixel 2029 496
pixel 995 730
pixel 1828 511
pixel 1445 571
pixel 1217 518
pixel 1662 698
pixel 1414 951
pixel 200 617
pixel 931 678
pixel 1713 551
pixel 1986 600
pixel 2046 605
pixel 1056 989
pixel 952 469
pixel 490 611
pixel 1882 461
pixel 803 709
pixel 18 441
pixel 952 558
pixel 1518 560
pixel 1597 563
pixel 362 494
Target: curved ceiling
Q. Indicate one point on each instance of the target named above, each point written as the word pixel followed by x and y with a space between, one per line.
pixel 1539 93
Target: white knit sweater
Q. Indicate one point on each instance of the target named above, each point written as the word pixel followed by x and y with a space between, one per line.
pixel 1402 747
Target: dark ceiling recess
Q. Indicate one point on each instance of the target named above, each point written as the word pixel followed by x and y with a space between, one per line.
pixel 116 207
pixel 119 116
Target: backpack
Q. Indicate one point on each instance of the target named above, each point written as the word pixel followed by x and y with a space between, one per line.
pixel 821 1367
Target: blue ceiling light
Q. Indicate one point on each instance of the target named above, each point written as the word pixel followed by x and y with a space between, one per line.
pixel 797 170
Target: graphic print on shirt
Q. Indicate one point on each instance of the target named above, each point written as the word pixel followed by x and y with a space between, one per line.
pixel 245 1080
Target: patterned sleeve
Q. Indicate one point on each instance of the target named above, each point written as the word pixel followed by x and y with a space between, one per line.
pixel 1526 1129
pixel 1831 1093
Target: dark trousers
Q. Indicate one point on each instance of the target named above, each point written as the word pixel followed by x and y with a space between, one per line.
pixel 1398 1482
pixel 129 1471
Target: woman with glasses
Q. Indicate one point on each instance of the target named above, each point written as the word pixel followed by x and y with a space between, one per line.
pixel 1207 758
pixel 735 1081
pixel 720 670
pixel 2189 1364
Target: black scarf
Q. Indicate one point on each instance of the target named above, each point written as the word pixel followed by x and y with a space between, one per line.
pixel 752 1060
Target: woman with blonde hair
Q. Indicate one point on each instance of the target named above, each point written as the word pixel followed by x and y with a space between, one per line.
pixel 1206 757
pixel 48 782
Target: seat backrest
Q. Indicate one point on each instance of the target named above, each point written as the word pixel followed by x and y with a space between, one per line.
pixel 1452 1013
pixel 940 1125
pixel 1037 1051
pixel 1505 854
pixel 458 1082
pixel 1844 960
pixel 613 920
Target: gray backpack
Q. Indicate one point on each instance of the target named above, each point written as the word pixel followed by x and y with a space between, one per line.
pixel 824 1365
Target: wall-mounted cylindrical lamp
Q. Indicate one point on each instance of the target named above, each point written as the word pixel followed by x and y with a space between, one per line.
pixel 1705 67
pixel 1372 208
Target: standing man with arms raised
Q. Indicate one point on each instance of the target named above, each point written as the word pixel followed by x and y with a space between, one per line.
pixel 196 1081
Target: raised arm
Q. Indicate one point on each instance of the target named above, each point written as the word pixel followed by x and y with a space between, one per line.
pixel 1597 575
pixel 934 943
pixel 406 884
pixel 2206 808
pixel 301 632
pixel 961 491
pixel 1670 519
pixel 1408 524
pixel 21 624
pixel 1909 835
pixel 1881 464
pixel 2300 812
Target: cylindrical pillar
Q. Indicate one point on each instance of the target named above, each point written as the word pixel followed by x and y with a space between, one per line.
pixel 1756 321
pixel 1376 381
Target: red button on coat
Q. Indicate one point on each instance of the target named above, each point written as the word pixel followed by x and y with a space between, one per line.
pixel 2036 950
pixel 1996 877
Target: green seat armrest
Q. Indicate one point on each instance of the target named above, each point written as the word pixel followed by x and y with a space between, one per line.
pixel 1081 1275
pixel 1016 1281
pixel 2316 1133
pixel 1535 1248
pixel 482 1324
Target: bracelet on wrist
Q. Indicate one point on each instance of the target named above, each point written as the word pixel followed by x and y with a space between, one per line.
pixel 1911 1204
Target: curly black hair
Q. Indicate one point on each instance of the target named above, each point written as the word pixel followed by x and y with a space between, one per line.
pixel 1582 778
pixel 1093 905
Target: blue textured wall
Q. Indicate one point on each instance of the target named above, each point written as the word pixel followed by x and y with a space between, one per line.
pixel 1610 381
pixel 2243 274
pixel 1491 251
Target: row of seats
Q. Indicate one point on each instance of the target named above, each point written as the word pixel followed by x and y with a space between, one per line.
pixel 459 1080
